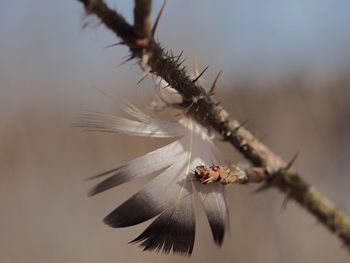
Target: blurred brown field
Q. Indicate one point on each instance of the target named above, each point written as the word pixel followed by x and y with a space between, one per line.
pixel 47 216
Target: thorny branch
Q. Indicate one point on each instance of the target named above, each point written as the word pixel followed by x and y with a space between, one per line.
pixel 270 168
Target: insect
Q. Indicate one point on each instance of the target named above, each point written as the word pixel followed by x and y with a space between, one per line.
pixel 221 174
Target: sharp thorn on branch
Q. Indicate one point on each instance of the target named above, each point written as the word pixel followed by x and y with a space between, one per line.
pixel 286 199
pixel 180 63
pixel 127 60
pixel 244 123
pixel 85 25
pixel 292 161
pixel 126 56
pixel 171 55
pixel 115 44
pixel 200 75
pixel 154 28
pixel 178 57
pixel 262 188
pixel 146 74
pixel 212 88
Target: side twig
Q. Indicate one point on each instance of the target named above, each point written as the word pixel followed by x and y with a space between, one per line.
pixel 142 20
pixel 210 113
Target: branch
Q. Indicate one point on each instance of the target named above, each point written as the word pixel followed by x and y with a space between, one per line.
pixel 142 20
pixel 207 111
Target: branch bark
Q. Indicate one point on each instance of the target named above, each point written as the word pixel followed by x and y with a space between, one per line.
pixel 142 18
pixel 207 111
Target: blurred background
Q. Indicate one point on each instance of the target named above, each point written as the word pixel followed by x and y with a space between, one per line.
pixel 285 70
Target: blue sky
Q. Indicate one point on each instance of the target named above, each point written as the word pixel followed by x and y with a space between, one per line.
pixel 246 37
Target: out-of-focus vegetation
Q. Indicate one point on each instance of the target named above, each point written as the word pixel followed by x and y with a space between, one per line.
pixel 46 214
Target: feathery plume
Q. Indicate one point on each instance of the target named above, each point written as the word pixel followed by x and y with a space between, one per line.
pixel 174 227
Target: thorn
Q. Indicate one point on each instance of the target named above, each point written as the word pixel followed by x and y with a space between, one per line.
pixel 154 28
pixel 291 162
pixel 85 25
pixel 286 199
pixel 179 56
pixel 212 88
pixel 171 55
pixel 115 44
pixel 131 57
pixel 146 74
pixel 126 56
pixel 244 122
pixel 180 63
pixel 200 75
pixel 262 188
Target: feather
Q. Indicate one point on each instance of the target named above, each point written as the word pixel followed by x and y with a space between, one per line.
pixel 95 121
pixel 153 199
pixel 144 125
pixel 174 228
pixel 169 196
pixel 139 167
pixel 214 204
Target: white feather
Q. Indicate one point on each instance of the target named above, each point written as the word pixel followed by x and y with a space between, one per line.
pixel 170 194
